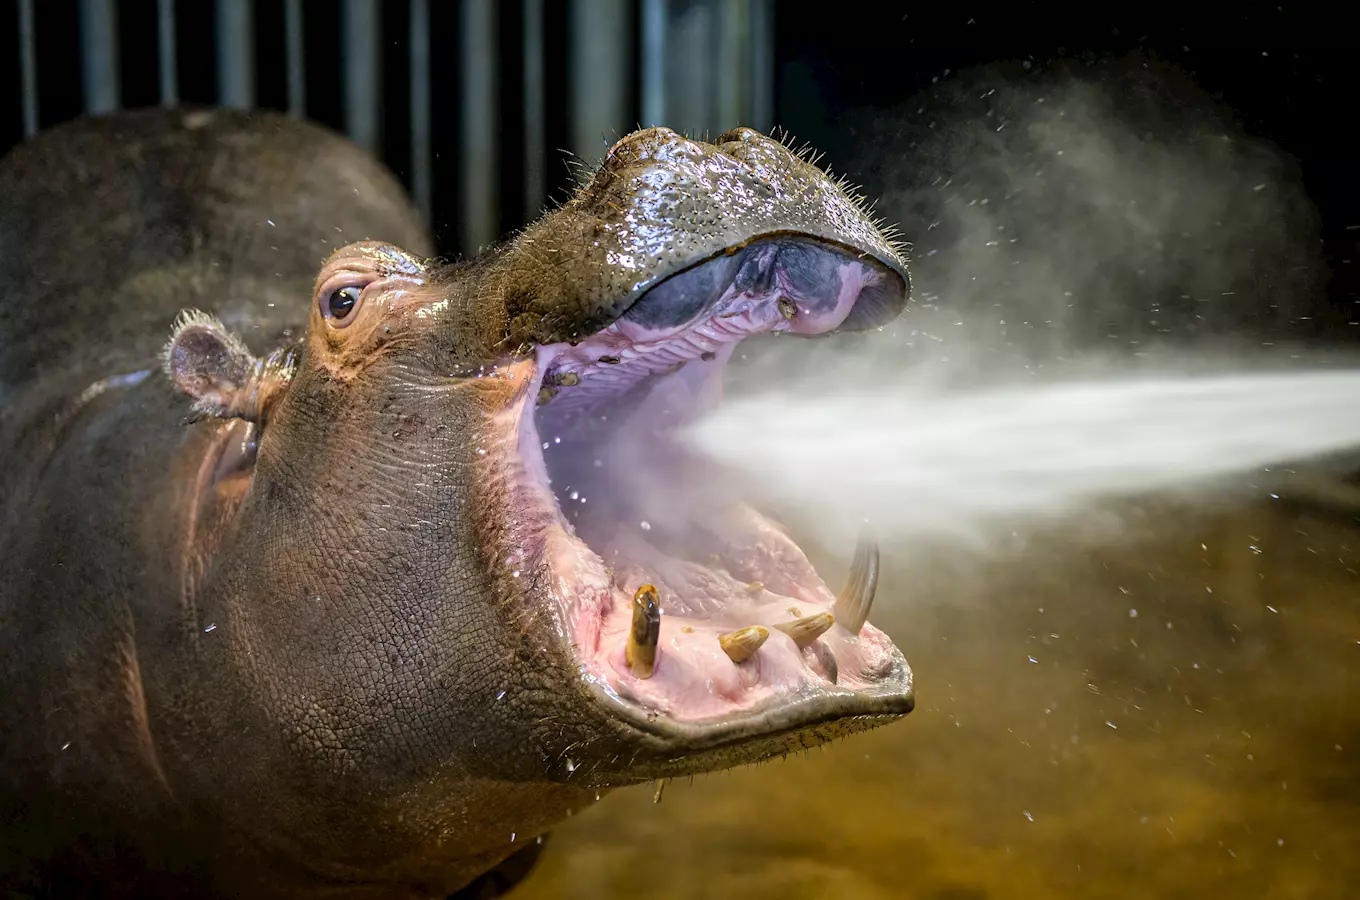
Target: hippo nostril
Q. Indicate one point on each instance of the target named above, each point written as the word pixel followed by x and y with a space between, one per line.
pixel 647 137
pixel 741 135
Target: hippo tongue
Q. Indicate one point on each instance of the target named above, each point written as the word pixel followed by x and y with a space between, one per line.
pixel 743 615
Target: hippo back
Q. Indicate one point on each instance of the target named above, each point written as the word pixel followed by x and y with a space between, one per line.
pixel 110 226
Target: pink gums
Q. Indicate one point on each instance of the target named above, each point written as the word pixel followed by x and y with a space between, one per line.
pixel 761 576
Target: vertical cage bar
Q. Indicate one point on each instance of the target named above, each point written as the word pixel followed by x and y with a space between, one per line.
pixel 28 67
pixel 359 41
pixel 166 51
pixel 653 52
pixel 99 47
pixel 297 62
pixel 478 125
pixel 690 70
pixel 761 113
pixel 733 82
pixel 235 53
pixel 535 107
pixel 599 74
pixel 422 169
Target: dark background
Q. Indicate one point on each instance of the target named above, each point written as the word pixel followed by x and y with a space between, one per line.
pixel 853 85
pixel 1284 75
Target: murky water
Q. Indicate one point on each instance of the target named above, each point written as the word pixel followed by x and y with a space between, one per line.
pixel 1172 714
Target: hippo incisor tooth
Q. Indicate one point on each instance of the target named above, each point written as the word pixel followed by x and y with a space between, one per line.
pixel 645 632
pixel 741 645
pixel 807 629
pixel 854 600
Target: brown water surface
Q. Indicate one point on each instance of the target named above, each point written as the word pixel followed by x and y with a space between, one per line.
pixel 1064 745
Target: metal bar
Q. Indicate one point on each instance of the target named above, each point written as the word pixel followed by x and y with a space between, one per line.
pixel 478 125
pixel 731 86
pixel 166 50
pixel 235 53
pixel 297 62
pixel 535 107
pixel 28 67
pixel 422 169
pixel 99 47
pixel 690 72
pixel 359 44
pixel 761 113
pixel 600 38
pixel 653 52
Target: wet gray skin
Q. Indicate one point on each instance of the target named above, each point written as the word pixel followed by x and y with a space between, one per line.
pixel 289 606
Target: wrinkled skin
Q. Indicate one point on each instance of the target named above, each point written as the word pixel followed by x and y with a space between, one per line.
pixel 258 632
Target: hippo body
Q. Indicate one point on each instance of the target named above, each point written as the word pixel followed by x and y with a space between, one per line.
pixel 286 610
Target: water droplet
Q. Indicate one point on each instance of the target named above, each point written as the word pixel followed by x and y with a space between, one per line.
pixel 571 766
pixel 209 628
pixel 501 695
pixel 1111 724
pixel 1033 660
pixel 512 837
pixel 1133 614
pixel 1029 815
pixel 646 526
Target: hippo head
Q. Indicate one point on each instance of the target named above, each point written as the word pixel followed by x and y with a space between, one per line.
pixel 465 573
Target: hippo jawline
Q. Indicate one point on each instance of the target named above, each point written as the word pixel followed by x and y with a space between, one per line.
pixel 608 504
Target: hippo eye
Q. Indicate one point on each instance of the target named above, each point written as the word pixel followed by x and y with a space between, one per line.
pixel 339 305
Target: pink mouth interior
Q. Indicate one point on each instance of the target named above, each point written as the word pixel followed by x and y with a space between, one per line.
pixel 612 502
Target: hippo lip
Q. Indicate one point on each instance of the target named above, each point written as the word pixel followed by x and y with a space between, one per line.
pixel 609 502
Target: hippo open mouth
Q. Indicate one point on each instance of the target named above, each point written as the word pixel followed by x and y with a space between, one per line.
pixel 415 568
pixel 686 607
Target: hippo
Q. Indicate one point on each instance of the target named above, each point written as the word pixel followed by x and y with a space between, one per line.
pixel 338 569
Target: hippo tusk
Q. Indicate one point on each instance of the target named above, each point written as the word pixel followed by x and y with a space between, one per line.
pixel 741 645
pixel 645 632
pixel 807 629
pixel 852 605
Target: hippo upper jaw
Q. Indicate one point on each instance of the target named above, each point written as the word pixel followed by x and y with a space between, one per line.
pixel 699 628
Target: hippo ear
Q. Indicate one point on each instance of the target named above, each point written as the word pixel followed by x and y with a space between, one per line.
pixel 214 367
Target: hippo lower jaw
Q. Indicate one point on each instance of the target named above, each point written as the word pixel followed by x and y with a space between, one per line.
pixel 606 503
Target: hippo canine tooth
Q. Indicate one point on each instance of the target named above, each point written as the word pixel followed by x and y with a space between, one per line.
pixel 854 600
pixel 807 629
pixel 741 645
pixel 644 633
